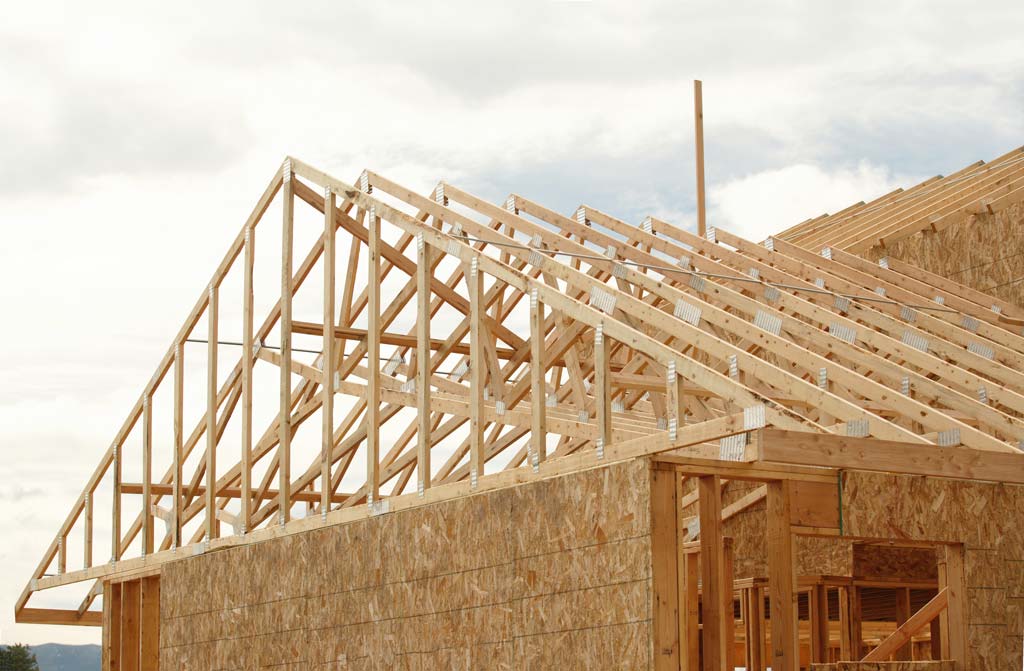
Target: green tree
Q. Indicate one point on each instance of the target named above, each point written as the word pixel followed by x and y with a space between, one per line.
pixel 17 657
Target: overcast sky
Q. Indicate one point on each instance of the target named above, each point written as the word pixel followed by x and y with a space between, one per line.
pixel 136 137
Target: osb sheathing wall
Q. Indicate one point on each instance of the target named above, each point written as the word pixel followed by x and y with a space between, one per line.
pixel 984 251
pixel 986 518
pixel 553 574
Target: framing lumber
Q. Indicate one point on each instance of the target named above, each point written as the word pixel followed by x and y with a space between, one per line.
pixel 643 341
pixel 327 356
pixel 245 459
pixel 423 372
pixel 712 569
pixel 538 388
pixel 782 580
pixel 953 625
pixel 698 132
pixel 284 440
pixel 147 477
pixel 475 280
pixel 664 570
pixel 373 378
pixel 811 449
pixel 212 522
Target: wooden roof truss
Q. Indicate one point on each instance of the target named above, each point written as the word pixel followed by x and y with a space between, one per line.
pixel 470 345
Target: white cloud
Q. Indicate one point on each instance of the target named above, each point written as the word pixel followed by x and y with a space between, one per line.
pixel 767 202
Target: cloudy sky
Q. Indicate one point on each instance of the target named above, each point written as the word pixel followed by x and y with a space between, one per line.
pixel 135 137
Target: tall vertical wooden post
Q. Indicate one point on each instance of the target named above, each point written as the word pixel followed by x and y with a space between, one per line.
pixel 689 613
pixel 698 129
pixel 712 563
pixel 856 624
pixel 87 527
pixel 179 383
pixel 327 362
pixel 105 629
pixel 728 606
pixel 935 632
pixel 131 626
pixel 953 622
pixel 817 599
pixel 664 569
pixel 782 579
pixel 423 293
pixel 602 390
pixel 212 523
pixel 476 373
pixel 538 390
pixel 115 508
pixel 248 356
pixel 373 358
pixel 112 619
pixel 150 653
pixel 147 474
pixel 845 629
pixel 753 620
pixel 284 444
pixel 689 597
pixel 903 613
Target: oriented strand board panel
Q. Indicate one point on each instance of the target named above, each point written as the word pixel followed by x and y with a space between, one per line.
pixel 550 574
pixel 987 518
pixel 880 562
pixel 983 251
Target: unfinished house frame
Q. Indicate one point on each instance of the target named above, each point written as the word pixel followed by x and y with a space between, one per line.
pixel 448 433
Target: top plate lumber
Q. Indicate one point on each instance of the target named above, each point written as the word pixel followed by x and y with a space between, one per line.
pixel 804 448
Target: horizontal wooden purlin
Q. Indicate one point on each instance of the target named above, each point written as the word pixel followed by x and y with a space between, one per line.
pixel 504 353
pixel 160 489
pixel 89 618
pixel 558 420
pixel 870 454
pixel 655 383
pixel 399 339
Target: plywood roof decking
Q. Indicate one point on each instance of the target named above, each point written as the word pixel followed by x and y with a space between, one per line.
pixel 935 204
pixel 513 340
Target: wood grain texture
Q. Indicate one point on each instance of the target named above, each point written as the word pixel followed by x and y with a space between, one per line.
pixel 541 575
